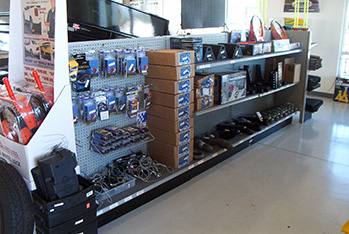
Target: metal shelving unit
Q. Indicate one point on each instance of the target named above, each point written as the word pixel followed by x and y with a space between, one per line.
pixel 221 63
pixel 249 98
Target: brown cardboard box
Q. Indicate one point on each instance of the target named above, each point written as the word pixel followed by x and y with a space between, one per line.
pixel 173 114
pixel 172 138
pixel 168 125
pixel 204 102
pixel 173 162
pixel 203 80
pixel 170 150
pixel 204 92
pixel 170 57
pixel 293 73
pixel 291 60
pixel 169 86
pixel 170 72
pixel 173 101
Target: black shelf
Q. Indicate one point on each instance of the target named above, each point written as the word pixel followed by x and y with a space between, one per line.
pixel 246 99
pixel 145 192
pixel 221 63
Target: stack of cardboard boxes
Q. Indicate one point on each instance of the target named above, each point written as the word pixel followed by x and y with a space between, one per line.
pixel 170 117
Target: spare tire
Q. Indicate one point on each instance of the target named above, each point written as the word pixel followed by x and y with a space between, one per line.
pixel 16 215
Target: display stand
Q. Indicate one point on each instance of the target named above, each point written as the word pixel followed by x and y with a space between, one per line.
pixel 57 129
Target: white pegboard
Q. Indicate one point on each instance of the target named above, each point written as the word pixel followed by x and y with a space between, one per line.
pixel 89 160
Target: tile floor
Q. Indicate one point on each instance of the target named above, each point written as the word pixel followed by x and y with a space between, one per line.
pixel 294 181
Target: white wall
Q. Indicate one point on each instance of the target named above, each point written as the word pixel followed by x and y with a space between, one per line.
pixel 326 27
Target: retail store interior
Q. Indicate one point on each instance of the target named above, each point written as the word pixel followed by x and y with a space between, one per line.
pixel 180 116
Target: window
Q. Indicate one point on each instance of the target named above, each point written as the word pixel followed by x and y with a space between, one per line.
pixel 239 13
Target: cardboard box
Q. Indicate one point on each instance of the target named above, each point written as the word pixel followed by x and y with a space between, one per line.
pixel 203 103
pixel 293 72
pixel 204 92
pixel 171 57
pixel 203 80
pixel 173 114
pixel 172 138
pixel 168 125
pixel 170 72
pixel 229 86
pixel 291 60
pixel 173 101
pixel 170 150
pixel 169 86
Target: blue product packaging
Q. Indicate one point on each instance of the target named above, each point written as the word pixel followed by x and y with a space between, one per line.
pixel 184 99
pixel 90 110
pixel 184 58
pixel 120 95
pixel 92 59
pixel 83 80
pixel 184 137
pixel 182 161
pixel 143 66
pixel 184 86
pixel 184 112
pixel 184 149
pixel 185 72
pixel 111 99
pixel 184 124
pixel 120 61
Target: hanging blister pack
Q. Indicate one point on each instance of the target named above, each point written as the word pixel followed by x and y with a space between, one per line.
pixel 142 62
pixel 109 64
pixel 120 95
pixel 111 99
pixel 92 59
pixel 132 102
pixel 75 110
pixel 130 63
pixel 102 105
pixel 89 109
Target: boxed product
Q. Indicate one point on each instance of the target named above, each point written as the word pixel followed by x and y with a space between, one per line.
pixel 203 80
pixel 293 72
pixel 267 47
pixel 173 101
pixel 281 45
pixel 341 90
pixel 204 92
pixel 168 125
pixel 188 43
pixel 251 48
pixel 170 150
pixel 173 114
pixel 170 57
pixel 169 86
pixel 229 86
pixel 204 102
pixel 170 72
pixel 172 138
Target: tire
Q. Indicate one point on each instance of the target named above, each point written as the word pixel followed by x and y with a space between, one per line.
pixel 16 215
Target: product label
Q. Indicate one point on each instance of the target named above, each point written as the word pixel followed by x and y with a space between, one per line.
pixel 184 112
pixel 184 124
pixel 184 86
pixel 185 72
pixel 184 58
pixel 184 149
pixel 184 137
pixel 184 99
pixel 182 161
